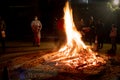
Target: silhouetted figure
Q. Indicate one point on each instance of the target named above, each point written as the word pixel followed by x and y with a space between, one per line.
pixel 81 24
pixel 5 73
pixel 91 34
pixel 100 33
pixel 82 29
pixel 61 32
pixel 2 33
pixel 113 35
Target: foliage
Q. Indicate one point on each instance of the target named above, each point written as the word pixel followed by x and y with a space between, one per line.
pixel 112 7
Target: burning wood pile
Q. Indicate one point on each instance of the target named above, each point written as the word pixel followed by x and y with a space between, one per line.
pixel 74 53
pixel 73 56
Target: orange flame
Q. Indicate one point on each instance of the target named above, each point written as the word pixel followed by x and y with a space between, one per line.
pixel 74 53
pixel 73 36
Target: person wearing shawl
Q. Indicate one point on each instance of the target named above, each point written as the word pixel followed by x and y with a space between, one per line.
pixel 36 28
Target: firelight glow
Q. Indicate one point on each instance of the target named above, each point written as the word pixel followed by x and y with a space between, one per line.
pixel 74 53
pixel 72 34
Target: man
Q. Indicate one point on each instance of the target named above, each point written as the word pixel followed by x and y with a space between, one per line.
pixel 2 33
pixel 91 33
pixel 36 28
pixel 100 33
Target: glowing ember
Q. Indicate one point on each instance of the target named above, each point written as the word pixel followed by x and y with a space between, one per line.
pixel 74 53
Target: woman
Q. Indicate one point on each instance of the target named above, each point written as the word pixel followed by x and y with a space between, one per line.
pixel 36 28
pixel 113 35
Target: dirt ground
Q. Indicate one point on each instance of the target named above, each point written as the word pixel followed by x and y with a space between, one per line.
pixel 32 66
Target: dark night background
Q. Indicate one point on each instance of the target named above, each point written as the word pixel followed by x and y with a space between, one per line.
pixel 18 15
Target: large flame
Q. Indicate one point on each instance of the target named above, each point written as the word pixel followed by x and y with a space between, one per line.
pixel 73 36
pixel 74 53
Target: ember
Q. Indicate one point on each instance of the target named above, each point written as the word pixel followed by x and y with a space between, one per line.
pixel 74 53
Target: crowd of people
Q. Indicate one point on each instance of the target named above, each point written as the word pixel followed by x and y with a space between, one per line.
pixel 94 33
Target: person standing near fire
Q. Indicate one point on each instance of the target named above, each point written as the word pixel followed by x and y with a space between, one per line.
pixel 113 35
pixel 3 33
pixel 100 33
pixel 91 33
pixel 36 26
pixel 61 32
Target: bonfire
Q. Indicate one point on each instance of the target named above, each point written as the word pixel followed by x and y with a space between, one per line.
pixel 74 53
